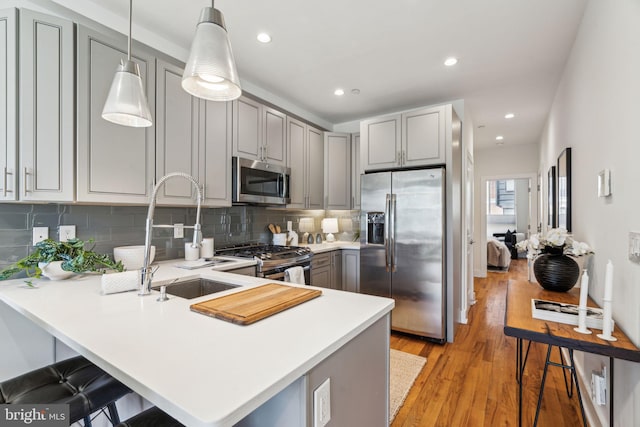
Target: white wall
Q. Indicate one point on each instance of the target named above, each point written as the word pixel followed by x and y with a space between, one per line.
pixel 504 161
pixel 595 112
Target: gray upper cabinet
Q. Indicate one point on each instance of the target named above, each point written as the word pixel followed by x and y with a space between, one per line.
pixel 355 171
pixel 215 152
pixel 275 136
pixel 423 139
pixel 413 138
pixel 315 168
pixel 8 104
pixel 247 129
pixel 115 164
pixel 306 160
pixel 46 122
pixel 380 142
pixel 337 170
pixel 177 117
pixel 260 132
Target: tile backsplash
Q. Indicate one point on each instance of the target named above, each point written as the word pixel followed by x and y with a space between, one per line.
pixel 111 226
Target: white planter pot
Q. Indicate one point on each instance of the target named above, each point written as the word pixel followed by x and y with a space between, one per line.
pixel 53 270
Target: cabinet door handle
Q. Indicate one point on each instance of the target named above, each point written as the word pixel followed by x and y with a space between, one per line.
pixel 266 153
pixel 204 191
pixel 4 181
pixel 24 180
pixel 404 157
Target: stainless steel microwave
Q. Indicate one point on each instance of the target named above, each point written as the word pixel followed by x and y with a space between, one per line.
pixel 260 183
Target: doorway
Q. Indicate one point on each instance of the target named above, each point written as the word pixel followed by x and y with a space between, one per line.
pixel 508 203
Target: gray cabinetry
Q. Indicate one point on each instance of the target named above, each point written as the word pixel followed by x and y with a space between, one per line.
pixel 46 122
pixel 115 163
pixel 351 270
pixel 176 135
pixel 8 103
pixel 413 138
pixel 306 160
pixel 259 132
pixel 337 170
pixel 423 137
pixel 326 270
pixel 355 171
pixel 275 136
pixel 215 152
pixel 380 143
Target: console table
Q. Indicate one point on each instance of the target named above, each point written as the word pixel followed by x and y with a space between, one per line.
pixel 519 323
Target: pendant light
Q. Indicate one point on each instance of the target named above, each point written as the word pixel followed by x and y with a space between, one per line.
pixel 211 70
pixel 126 103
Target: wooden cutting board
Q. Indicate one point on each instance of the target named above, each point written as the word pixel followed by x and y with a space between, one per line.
pixel 251 305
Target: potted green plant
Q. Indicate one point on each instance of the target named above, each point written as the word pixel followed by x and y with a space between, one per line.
pixel 71 256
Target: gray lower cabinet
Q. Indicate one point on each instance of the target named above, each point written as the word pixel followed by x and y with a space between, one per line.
pixel 46 105
pixel 306 161
pixel 351 270
pixel 177 117
pixel 326 270
pixel 8 100
pixel 115 164
pixel 337 170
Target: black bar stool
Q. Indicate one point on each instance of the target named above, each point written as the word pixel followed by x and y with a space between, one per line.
pixel 75 382
pixel 152 417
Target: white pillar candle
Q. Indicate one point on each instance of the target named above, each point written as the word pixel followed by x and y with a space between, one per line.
pixel 608 282
pixel 584 289
pixel 206 250
pixel 582 309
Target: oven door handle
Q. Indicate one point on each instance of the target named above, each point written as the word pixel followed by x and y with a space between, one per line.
pixel 280 275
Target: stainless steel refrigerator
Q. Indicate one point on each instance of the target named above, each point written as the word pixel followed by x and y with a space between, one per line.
pixel 402 251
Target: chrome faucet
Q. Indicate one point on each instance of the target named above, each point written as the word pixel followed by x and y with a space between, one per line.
pixel 146 274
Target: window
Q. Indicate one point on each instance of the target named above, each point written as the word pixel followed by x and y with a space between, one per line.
pixel 501 197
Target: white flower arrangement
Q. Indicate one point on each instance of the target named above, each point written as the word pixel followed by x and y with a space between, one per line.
pixel 557 240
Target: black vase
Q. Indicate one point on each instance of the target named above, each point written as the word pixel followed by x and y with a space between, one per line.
pixel 556 272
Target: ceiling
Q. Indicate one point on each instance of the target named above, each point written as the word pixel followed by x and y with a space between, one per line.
pixel 511 53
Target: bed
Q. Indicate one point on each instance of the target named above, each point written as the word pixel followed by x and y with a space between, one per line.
pixel 498 254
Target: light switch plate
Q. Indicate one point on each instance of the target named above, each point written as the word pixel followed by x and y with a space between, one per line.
pixel 178 231
pixel 604 183
pixel 40 234
pixel 634 246
pixel 322 404
pixel 66 232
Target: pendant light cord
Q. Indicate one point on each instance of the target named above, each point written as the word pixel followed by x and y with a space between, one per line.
pixel 130 20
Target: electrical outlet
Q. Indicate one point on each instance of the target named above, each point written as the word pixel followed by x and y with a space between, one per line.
pixel 40 234
pixel 634 246
pixel 322 404
pixel 178 231
pixel 599 387
pixel 66 232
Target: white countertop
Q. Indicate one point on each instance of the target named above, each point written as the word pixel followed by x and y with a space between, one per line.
pixel 202 370
pixel 318 248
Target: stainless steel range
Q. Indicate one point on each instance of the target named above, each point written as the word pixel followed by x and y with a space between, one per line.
pixel 273 260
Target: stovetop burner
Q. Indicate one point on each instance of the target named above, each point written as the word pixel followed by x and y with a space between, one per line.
pixel 270 256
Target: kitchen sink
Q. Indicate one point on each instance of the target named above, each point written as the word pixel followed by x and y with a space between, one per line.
pixel 194 288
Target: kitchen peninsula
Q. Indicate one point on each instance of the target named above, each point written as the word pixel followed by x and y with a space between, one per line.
pixel 208 372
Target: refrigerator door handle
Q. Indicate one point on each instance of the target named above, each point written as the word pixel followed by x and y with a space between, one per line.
pixel 392 232
pixel 387 252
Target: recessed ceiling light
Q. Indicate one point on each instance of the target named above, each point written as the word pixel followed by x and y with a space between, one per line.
pixel 499 138
pixel 264 38
pixel 338 92
pixel 355 91
pixel 480 126
pixel 500 143
pixel 509 116
pixel 450 61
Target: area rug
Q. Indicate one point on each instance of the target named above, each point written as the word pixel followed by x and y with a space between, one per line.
pixel 404 369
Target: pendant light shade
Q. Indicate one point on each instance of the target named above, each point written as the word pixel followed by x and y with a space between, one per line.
pixel 211 70
pixel 126 102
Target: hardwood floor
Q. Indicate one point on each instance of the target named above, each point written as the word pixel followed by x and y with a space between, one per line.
pixel 472 381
